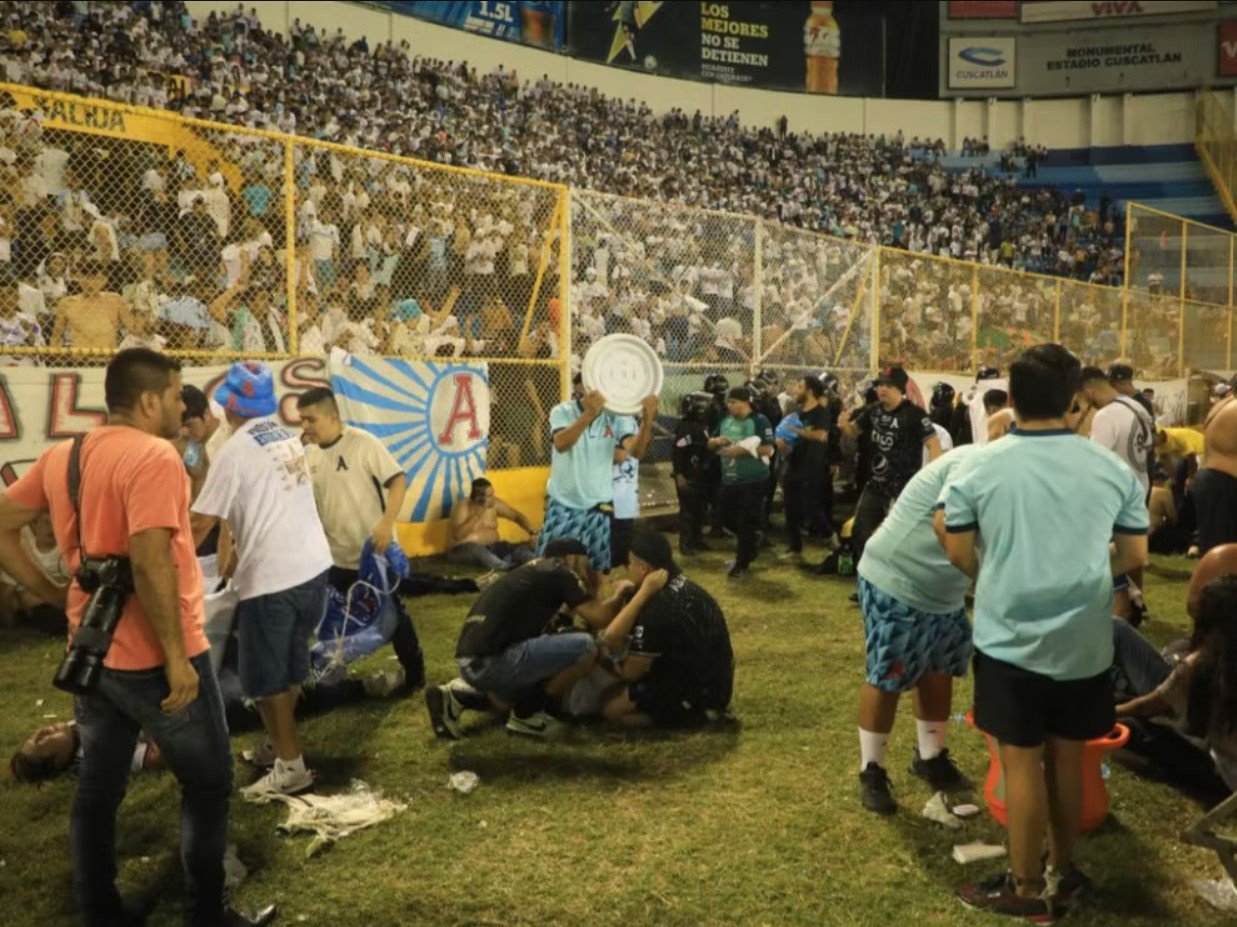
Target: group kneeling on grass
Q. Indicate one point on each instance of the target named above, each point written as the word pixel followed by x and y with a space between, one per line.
pixel 655 653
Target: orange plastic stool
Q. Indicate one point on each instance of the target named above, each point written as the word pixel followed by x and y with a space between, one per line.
pixel 1094 791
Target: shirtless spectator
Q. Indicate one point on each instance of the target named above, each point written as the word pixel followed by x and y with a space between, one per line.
pixel 94 318
pixel 1000 415
pixel 474 531
pixel 1215 484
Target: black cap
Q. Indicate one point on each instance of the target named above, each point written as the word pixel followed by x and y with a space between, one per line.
pixel 893 375
pixel 654 549
pixel 1119 373
pixel 565 547
pixel 740 394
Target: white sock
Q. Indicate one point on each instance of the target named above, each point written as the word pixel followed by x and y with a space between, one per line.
pixel 872 748
pixel 931 738
pixel 294 766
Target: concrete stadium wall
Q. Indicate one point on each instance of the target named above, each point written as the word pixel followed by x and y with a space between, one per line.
pixel 1072 122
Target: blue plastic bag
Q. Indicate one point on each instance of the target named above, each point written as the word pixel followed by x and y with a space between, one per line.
pixel 358 623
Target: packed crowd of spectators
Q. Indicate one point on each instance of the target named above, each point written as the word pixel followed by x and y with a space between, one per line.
pixel 873 189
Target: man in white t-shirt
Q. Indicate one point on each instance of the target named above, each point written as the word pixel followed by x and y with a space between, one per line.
pixel 1121 424
pixel 260 485
pixel 351 469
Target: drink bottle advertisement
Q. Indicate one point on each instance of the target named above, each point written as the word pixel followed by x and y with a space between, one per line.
pixel 813 47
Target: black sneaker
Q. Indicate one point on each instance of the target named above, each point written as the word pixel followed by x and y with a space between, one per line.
pixel 1068 887
pixel 853 598
pixel 734 571
pixel 997 895
pixel 940 773
pixel 874 790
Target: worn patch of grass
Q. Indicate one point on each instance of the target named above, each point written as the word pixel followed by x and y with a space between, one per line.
pixel 757 825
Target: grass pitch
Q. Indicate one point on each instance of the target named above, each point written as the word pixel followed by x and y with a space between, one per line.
pixel 756 825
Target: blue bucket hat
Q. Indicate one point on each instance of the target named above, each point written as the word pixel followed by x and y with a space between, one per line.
pixel 248 391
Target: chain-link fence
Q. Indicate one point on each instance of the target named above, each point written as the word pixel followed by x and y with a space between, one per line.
pixel 129 226
pixel 133 226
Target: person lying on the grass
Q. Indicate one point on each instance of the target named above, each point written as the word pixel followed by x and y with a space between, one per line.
pixel 509 659
pixel 56 748
pixel 1199 693
pixel 917 636
pixel 677 667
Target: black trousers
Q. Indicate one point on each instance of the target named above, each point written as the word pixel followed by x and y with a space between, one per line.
pixel 693 503
pixel 742 505
pixel 801 498
pixel 870 511
pixel 404 641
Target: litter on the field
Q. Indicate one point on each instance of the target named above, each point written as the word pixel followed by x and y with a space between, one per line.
pixel 976 852
pixel 937 810
pixel 966 811
pixel 332 817
pixel 464 782
pixel 1219 893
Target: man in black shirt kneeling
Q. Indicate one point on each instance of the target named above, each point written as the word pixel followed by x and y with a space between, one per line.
pixel 509 658
pixel 678 669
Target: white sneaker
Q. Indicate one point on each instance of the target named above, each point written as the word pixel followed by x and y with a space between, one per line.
pixel 262 756
pixel 541 725
pixel 381 685
pixel 281 780
pixel 486 580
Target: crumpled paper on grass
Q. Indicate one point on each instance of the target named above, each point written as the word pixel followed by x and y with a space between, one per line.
pixel 937 809
pixel 1219 893
pixel 332 817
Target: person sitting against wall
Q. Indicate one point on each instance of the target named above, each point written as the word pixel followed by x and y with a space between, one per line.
pixel 1199 750
pixel 474 531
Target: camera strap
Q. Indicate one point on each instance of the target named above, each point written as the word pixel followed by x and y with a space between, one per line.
pixel 75 489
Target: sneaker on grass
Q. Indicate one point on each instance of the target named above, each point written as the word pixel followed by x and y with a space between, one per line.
pixel 540 724
pixel 444 711
pixel 997 895
pixel 940 773
pixel 874 790
pixel 1067 887
pixel 281 780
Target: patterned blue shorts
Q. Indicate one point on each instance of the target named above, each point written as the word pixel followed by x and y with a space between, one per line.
pixel 591 527
pixel 903 643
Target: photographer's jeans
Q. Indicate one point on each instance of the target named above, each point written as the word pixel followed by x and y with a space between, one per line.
pixel 194 744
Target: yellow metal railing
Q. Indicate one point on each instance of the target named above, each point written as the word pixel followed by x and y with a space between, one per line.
pixel 409 244
pixel 1216 143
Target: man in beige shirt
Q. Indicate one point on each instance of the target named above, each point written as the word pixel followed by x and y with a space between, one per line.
pixel 95 317
pixel 474 531
pixel 359 489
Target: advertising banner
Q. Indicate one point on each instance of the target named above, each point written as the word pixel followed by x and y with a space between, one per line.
pixel 1226 54
pixel 983 9
pixel 817 47
pixel 981 62
pixel 1115 60
pixel 434 418
pixel 531 22
pixel 1048 11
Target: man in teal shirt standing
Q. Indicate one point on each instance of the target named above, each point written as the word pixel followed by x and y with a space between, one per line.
pixel 744 442
pixel 1042 504
pixel 916 634
pixel 580 492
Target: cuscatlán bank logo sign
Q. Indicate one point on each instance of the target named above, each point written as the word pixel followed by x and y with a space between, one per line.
pixel 986 62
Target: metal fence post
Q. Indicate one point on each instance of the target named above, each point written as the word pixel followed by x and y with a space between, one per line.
pixel 975 317
pixel 758 278
pixel 290 277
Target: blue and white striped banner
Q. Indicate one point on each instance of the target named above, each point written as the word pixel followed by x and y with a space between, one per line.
pixel 434 418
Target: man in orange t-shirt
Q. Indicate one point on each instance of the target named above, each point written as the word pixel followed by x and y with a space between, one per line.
pixel 157 675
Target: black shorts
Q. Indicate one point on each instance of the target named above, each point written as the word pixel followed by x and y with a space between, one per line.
pixel 1022 708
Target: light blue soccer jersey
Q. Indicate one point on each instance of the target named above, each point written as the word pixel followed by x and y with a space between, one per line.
pixel 904 558
pixel 1045 504
pixel 582 478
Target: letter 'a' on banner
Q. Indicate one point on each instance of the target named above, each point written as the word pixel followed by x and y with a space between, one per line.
pixel 433 418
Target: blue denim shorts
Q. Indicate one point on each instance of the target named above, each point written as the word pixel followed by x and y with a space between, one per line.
pixel 274 632
pixel 522 666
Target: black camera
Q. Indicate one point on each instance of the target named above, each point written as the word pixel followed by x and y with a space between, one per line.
pixel 109 583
